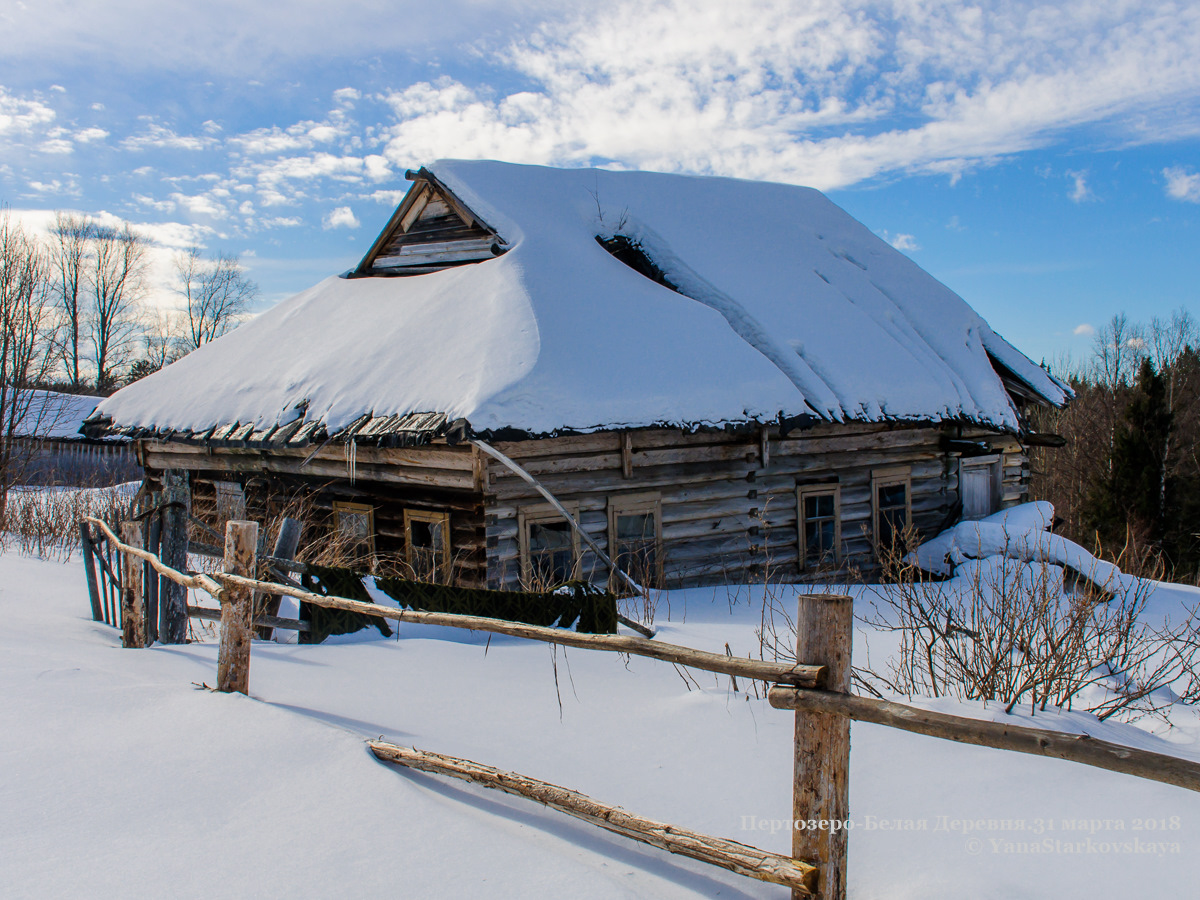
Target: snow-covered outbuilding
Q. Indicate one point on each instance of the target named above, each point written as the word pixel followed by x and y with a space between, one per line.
pixel 49 448
pixel 720 378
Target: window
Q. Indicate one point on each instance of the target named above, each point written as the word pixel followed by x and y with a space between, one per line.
pixel 635 537
pixel 549 546
pixel 427 545
pixel 979 486
pixel 355 524
pixel 890 493
pixel 819 516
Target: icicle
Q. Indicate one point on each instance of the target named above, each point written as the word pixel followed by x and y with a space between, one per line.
pixel 351 458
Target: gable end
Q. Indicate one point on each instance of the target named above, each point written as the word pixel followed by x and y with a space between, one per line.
pixel 431 229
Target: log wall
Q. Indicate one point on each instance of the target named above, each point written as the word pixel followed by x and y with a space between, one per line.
pixel 728 501
pixel 729 509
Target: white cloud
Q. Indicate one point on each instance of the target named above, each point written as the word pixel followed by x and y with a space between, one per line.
pixel 22 115
pixel 159 137
pixel 1182 184
pixel 1079 187
pixel 342 217
pixel 201 205
pixel 902 242
pixel 1084 330
pixel 58 88
pixel 87 135
pixel 346 96
pixel 811 94
pixel 56 145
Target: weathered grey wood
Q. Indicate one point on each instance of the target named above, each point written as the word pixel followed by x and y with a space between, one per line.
pixel 237 609
pixel 150 579
pixel 177 497
pixel 214 615
pixel 133 613
pixel 89 568
pixel 1079 748
pixel 820 789
pixel 801 674
pixel 286 544
pixel 731 855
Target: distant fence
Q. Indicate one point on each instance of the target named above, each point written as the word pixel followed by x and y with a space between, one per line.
pixel 78 463
pixel 817 690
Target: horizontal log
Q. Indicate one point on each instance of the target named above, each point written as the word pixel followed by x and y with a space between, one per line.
pixel 1079 748
pixel 732 855
pixel 799 675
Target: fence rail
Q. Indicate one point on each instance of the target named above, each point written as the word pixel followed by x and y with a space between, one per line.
pixel 817 691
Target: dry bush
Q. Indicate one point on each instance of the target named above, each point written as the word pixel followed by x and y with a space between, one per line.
pixel 1015 633
pixel 45 521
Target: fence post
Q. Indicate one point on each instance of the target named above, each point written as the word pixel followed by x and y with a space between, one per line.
pixel 89 567
pixel 237 609
pixel 133 611
pixel 286 545
pixel 820 789
pixel 172 597
pixel 152 578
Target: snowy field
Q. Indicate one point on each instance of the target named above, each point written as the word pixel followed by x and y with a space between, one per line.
pixel 120 778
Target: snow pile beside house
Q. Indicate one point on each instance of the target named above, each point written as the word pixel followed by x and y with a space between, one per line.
pixel 786 306
pixel 1021 533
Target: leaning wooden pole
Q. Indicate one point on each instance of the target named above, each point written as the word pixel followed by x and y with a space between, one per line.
pixel 821 781
pixel 89 567
pixel 237 609
pixel 736 857
pixel 133 610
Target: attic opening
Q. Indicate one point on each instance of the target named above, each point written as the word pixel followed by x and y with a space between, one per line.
pixel 432 229
pixel 629 251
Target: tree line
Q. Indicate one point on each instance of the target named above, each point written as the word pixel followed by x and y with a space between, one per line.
pixel 97 279
pixel 73 317
pixel 1127 480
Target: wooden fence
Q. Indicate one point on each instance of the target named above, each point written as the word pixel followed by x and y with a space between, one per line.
pixel 817 690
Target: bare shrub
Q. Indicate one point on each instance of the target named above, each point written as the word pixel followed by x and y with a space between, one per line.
pixel 45 521
pixel 1017 632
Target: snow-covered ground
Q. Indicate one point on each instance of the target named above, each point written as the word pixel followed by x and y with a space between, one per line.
pixel 120 778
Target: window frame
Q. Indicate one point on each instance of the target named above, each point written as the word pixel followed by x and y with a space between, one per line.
pixel 441 517
pixel 804 491
pixel 544 512
pixel 881 478
pixel 633 504
pixel 995 464
pixel 346 506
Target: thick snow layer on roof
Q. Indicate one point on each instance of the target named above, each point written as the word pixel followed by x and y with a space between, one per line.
pixel 787 306
pixel 50 414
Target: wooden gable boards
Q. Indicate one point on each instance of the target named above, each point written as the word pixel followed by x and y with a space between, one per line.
pixel 431 229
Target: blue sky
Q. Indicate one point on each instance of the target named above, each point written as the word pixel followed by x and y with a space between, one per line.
pixel 1042 160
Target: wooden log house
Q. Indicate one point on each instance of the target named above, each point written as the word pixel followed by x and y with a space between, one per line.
pixel 771 400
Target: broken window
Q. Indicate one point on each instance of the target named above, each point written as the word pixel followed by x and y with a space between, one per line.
pixel 890 490
pixel 549 547
pixel 635 537
pixel 427 545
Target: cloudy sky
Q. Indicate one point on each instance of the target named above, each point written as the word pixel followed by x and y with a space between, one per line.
pixel 1043 160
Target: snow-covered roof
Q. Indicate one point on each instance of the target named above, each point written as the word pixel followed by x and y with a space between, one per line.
pixel 51 414
pixel 785 306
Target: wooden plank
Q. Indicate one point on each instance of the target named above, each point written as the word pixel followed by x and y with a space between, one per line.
pixel 172 597
pixel 89 567
pixel 727 854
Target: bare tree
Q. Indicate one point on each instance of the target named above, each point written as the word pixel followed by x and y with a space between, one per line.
pixel 26 345
pixel 1119 348
pixel 117 281
pixel 216 293
pixel 70 247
